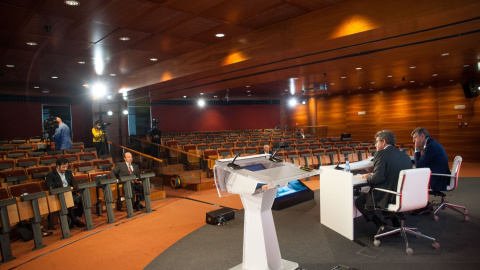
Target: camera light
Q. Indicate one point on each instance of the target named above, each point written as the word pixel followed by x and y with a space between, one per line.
pixel 110 113
pixel 125 112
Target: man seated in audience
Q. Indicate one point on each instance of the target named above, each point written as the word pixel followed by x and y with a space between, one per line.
pixel 125 169
pixel 388 161
pixel 301 133
pixel 266 149
pixel 62 177
pixel 433 157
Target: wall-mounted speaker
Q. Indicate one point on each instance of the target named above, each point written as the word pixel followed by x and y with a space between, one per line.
pixel 470 89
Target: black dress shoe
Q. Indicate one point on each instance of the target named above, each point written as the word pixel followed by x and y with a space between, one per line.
pixel 139 207
pixel 78 223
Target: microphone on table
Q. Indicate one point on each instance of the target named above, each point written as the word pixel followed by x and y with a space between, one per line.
pixel 232 164
pixel 272 157
pixel 346 165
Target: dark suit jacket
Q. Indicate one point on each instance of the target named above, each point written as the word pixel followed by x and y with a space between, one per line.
pixel 121 169
pixel 53 179
pixel 435 158
pixel 387 166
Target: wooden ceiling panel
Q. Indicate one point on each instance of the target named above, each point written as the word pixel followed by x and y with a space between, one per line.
pixel 193 27
pixel 272 16
pixel 193 7
pixel 38 24
pixel 66 47
pixel 114 38
pixel 120 13
pixel 17 56
pixel 312 5
pixel 127 60
pixel 20 42
pixel 158 43
pixel 24 4
pixel 92 32
pixel 53 8
pixel 159 19
pixel 235 11
pixel 11 18
pixel 230 31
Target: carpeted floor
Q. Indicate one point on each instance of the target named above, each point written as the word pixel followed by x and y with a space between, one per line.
pixel 304 240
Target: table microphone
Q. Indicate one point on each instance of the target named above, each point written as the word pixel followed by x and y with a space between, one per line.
pixel 232 164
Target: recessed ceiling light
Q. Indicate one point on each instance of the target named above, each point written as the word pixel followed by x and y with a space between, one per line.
pixel 247 85
pixel 71 3
pixel 10 66
pixel 31 43
pixel 286 90
pixel 435 75
pixel 124 38
pixel 370 89
pixel 332 83
pixel 36 87
pixel 81 62
pixel 358 68
pixel 360 87
pixel 201 94
pixel 389 76
pixel 46 91
pixel 412 81
pixel 451 80
pixel 445 54
pixel 214 96
pixel 184 96
pixel 220 35
pixel 248 91
pixel 54 77
pixel 153 59
pixel 412 67
pixel 466 65
pixel 343 77
pixel 113 74
pixel 372 82
pixel 249 95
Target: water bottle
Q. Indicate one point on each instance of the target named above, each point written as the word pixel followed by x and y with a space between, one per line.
pixel 347 167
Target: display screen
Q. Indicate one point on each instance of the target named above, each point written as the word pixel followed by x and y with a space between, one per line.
pixel 291 188
pixel 255 167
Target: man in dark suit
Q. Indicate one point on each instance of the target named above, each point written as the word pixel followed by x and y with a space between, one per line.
pixel 433 157
pixel 266 149
pixel 125 169
pixel 62 177
pixel 388 161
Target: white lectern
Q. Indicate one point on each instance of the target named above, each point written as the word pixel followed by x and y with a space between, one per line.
pixel 256 183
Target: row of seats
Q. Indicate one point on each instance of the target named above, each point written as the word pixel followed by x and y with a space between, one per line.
pixel 25 162
pixel 10 152
pixel 18 175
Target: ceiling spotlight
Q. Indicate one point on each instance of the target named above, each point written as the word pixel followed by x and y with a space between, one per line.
pixel 184 96
pixel 125 112
pixel 10 66
pixel 124 38
pixel 71 3
pixel 54 77
pixel 292 102
pixel 31 43
pixel 110 113
pixel 220 35
pixel 304 102
pixel 81 62
pixel 153 59
pixel 113 74
pixel 98 90
pixel 201 103
pixel 36 87
pixel 445 54
pixel 412 67
pixel 358 68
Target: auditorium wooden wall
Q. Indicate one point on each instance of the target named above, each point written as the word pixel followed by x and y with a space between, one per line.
pixel 401 111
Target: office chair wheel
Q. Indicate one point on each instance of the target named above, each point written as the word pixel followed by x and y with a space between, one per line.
pixel 467 218
pixel 409 251
pixel 436 245
pixel 436 218
pixel 376 243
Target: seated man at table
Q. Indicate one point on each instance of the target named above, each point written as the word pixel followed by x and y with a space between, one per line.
pixel 388 161
pixel 62 177
pixel 126 169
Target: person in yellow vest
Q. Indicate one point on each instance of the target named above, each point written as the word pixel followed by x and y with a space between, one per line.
pixel 98 138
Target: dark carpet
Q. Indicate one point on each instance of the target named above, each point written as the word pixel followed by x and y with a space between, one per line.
pixel 304 240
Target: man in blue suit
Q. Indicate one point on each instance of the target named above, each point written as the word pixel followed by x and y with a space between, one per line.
pixel 433 157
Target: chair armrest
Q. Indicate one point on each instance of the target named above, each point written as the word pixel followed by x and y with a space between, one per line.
pixel 387 191
pixel 441 174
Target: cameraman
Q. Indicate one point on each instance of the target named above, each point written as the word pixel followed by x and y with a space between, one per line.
pixel 62 136
pixel 98 138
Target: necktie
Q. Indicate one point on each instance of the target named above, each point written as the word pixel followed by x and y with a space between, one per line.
pixel 130 168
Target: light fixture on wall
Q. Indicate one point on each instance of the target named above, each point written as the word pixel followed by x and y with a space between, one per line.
pixel 201 103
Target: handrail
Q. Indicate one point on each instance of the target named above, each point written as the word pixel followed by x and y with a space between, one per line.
pixel 178 150
pixel 136 152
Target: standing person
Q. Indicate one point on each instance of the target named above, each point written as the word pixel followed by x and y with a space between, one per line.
pixel 62 177
pixel 125 169
pixel 433 157
pixel 62 136
pixel 98 138
pixel 388 161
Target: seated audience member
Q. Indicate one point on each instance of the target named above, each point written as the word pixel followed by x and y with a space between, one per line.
pixel 388 161
pixel 62 177
pixel 433 157
pixel 125 169
pixel 266 149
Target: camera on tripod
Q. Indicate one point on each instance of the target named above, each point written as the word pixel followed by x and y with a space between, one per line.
pixel 49 126
pixel 103 124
